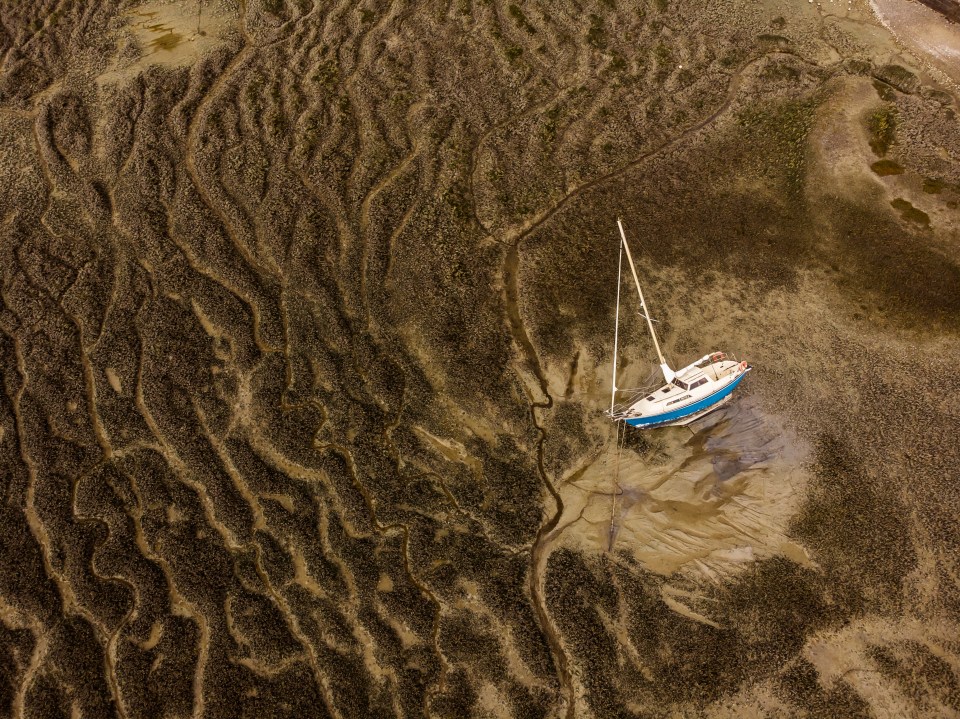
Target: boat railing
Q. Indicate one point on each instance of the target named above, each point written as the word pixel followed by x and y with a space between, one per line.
pixel 716 357
pixel 620 409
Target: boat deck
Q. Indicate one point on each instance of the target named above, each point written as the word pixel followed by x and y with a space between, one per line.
pixel 693 384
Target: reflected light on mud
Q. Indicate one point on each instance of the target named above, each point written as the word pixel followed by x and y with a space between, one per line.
pixel 704 502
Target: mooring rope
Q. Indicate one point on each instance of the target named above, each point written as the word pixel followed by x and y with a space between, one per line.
pixel 621 436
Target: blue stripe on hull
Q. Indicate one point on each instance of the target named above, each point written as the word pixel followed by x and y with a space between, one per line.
pixel 688 410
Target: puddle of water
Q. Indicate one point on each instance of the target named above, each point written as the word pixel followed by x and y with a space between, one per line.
pixel 167 41
pixel 910 213
pixel 886 167
pixel 933 186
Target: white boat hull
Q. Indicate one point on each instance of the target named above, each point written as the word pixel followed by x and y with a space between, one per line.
pixel 697 390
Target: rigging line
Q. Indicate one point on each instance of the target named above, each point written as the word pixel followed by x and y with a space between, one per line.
pixel 621 436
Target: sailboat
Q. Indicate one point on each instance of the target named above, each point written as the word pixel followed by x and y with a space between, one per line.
pixel 688 393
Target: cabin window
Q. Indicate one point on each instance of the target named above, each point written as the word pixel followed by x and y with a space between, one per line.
pixel 666 389
pixel 682 385
pixel 702 380
pixel 650 398
pixel 678 399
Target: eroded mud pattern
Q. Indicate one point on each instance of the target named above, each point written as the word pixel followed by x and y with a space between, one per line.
pixel 305 339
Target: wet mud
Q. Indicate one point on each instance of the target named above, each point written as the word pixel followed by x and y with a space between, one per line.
pixel 704 501
pixel 306 320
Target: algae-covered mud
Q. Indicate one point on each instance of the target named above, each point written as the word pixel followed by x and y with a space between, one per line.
pixel 306 316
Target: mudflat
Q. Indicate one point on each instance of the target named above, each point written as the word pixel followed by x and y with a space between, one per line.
pixel 306 316
pixel 950 9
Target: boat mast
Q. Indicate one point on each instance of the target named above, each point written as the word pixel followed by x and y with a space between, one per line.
pixel 668 374
pixel 616 331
